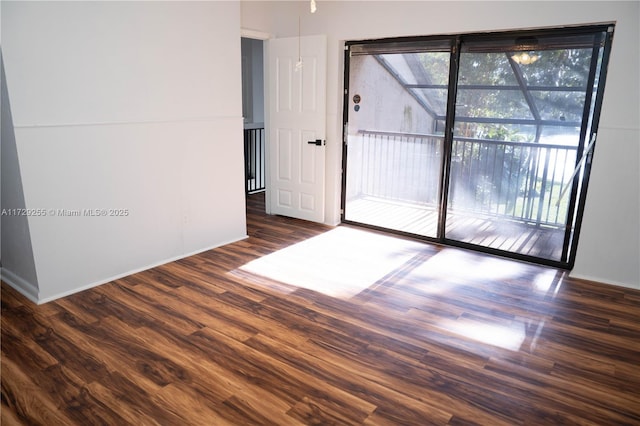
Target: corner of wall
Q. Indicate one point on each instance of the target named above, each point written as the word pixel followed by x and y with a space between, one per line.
pixel 18 263
pixel 22 286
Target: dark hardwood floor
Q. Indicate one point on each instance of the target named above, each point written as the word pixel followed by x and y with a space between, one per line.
pixel 449 337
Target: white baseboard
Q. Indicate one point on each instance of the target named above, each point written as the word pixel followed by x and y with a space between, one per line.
pixel 601 281
pixel 33 293
pixel 22 286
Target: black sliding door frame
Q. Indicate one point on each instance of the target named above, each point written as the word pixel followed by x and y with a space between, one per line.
pixel 454 66
pixel 575 219
pixel 602 34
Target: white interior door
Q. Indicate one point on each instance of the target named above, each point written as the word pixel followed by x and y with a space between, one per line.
pixel 296 116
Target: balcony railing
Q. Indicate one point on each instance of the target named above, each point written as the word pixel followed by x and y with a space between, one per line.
pixel 254 160
pixel 513 180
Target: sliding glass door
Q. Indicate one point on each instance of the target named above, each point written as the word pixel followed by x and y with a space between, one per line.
pixel 397 107
pixel 521 124
pixel 482 141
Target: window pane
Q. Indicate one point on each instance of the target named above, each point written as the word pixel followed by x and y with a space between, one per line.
pixel 486 69
pixel 516 133
pixel 397 104
pixel 436 99
pixel 561 106
pixel 559 68
pixel 508 104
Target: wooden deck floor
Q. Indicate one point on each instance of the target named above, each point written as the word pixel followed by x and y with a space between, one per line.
pixel 446 337
pixel 486 231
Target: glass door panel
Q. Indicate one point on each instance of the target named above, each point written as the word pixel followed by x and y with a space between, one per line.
pixel 396 108
pixel 520 127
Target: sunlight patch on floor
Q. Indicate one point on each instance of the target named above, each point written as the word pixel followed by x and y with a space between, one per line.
pixel 507 337
pixel 345 261
pixel 459 266
pixel 547 281
pixel 340 263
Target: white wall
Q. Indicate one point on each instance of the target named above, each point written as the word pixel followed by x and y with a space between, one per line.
pixel 125 105
pixel 17 254
pixel 609 247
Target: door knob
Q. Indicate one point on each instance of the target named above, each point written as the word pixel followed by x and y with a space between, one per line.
pixel 318 142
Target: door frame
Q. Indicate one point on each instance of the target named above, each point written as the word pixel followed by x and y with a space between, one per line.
pixel 263 36
pixel 588 128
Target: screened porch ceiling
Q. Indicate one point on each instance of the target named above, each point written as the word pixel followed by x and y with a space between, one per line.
pixel 549 92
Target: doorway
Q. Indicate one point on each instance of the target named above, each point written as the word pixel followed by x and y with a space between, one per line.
pixel 482 141
pixel 253 113
pixel 291 154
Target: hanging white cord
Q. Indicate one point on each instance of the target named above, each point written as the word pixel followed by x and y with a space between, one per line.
pixel 578 166
pixel 299 63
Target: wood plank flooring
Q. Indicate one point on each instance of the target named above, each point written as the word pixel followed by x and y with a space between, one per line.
pixel 450 337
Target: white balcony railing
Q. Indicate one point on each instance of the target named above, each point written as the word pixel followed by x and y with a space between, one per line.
pixel 513 180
